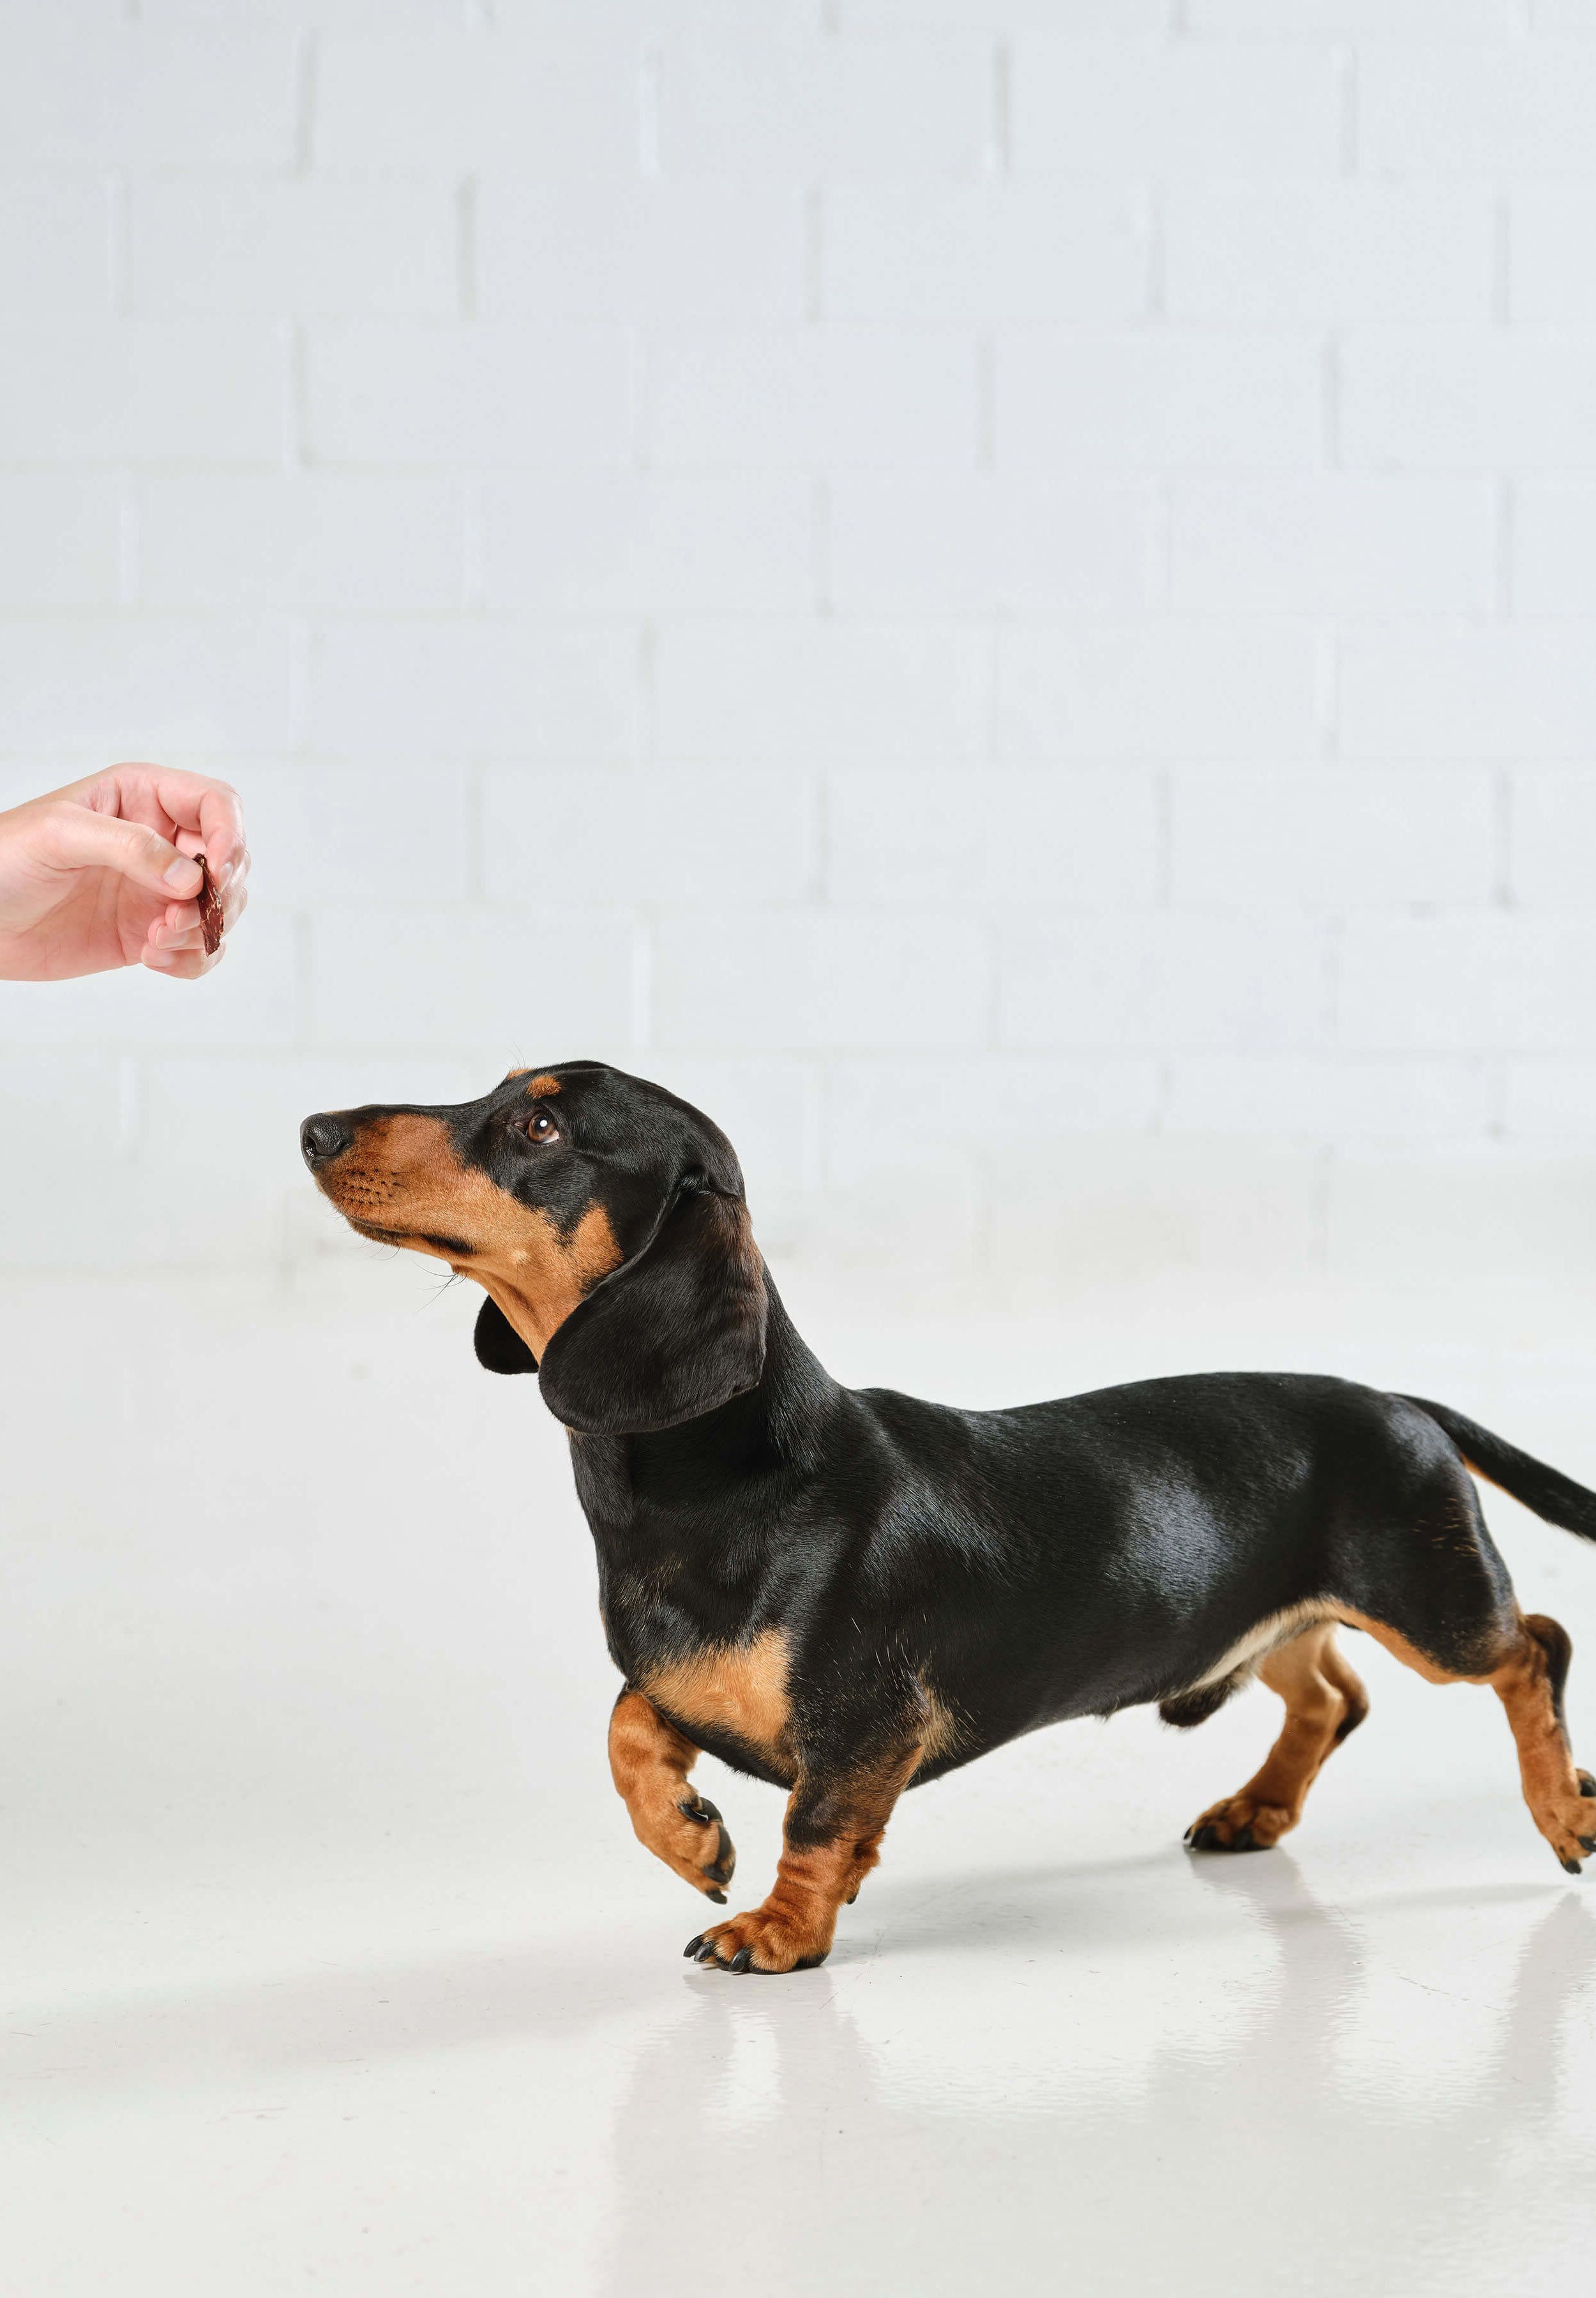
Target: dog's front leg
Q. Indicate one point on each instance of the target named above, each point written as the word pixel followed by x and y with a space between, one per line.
pixel 830 1839
pixel 649 1761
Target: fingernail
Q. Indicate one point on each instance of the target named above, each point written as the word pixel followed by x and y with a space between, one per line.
pixel 224 877
pixel 161 957
pixel 183 872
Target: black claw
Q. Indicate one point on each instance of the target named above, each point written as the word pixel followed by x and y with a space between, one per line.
pixel 741 1959
pixel 1206 1838
pixel 718 1896
pixel 1571 1866
pixel 1587 1785
pixel 1587 1844
pixel 1244 1840
pixel 698 1809
pixel 706 1953
pixel 693 1945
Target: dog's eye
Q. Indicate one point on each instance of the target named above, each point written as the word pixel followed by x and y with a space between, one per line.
pixel 538 1127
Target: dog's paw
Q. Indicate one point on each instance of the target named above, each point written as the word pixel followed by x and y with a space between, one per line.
pixel 692 1840
pixel 767 1940
pixel 1570 1827
pixel 1239 1822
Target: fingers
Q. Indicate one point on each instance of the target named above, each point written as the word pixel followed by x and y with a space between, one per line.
pixel 177 933
pixel 207 812
pixel 77 837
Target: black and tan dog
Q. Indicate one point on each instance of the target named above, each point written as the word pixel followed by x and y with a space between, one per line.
pixel 848 1592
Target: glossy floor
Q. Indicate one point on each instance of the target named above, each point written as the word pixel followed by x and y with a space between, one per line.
pixel 328 1962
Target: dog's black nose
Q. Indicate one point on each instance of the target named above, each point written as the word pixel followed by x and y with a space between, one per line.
pixel 323 1136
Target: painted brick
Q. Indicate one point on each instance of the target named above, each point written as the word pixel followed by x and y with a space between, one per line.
pixel 816 398
pixel 1097 107
pixel 823 692
pixel 93 95
pixel 482 99
pixel 1553 529
pixel 146 391
pixel 803 980
pixel 1088 841
pixel 56 246
pixel 1341 841
pixel 1358 546
pixel 60 538
pixel 383 391
pixel 499 688
pixel 424 976
pixel 389 245
pixel 152 687
pixel 326 541
pixel 1482 982
pixel 935 545
pixel 1138 984
pixel 1552 230
pixel 734 100
pixel 621 541
pixel 1403 18
pixel 341 834
pixel 1470 691
pixel 1329 1097
pixel 250 999
pixel 724 839
pixel 1165 400
pixel 1155 688
pixel 640 249
pixel 1346 250
pixel 1468 399
pixel 1551 1101
pixel 1126 18
pixel 1550 840
pixel 1446 107
pixel 998 251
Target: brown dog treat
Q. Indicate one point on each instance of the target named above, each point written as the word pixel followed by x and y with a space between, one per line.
pixel 210 902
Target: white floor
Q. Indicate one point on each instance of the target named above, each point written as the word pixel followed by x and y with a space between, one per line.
pixel 328 1962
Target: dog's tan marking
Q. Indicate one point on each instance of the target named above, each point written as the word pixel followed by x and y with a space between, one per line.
pixel 1324 1701
pixel 741 1689
pixel 540 1087
pixel 404 1180
pixel 649 1761
pixel 942 1729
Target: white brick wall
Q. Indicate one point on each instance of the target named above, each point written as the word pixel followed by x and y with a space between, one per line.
pixel 928 571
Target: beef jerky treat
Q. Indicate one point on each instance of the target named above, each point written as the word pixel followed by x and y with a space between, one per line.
pixel 210 902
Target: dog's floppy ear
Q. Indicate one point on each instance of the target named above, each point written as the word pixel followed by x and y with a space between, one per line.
pixel 674 1331
pixel 500 1348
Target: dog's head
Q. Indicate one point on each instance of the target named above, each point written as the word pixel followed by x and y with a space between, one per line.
pixel 604 1218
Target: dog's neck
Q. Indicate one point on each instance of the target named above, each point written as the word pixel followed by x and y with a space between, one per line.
pixel 772 1430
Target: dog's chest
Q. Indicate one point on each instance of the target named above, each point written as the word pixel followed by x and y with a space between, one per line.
pixel 727 1692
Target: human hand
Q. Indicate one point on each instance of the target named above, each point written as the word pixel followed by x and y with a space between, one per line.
pixel 101 874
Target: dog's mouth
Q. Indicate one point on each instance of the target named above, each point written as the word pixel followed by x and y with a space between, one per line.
pixel 452 1248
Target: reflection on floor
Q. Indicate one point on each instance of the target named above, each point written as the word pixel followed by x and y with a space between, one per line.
pixel 328 1962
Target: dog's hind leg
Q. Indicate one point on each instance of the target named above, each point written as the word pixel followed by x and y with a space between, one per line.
pixel 649 1761
pixel 1526 1671
pixel 1324 1701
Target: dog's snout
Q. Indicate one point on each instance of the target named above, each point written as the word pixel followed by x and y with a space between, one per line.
pixel 323 1136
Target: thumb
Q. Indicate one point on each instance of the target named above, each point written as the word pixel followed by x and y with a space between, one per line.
pixel 77 837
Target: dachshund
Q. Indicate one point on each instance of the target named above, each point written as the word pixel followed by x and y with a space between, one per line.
pixel 848 1592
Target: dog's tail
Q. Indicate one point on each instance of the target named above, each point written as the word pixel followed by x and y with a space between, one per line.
pixel 1553 1496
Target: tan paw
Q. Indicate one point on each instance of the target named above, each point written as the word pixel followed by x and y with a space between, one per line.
pixel 767 1940
pixel 1570 1826
pixel 1239 1822
pixel 693 1843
